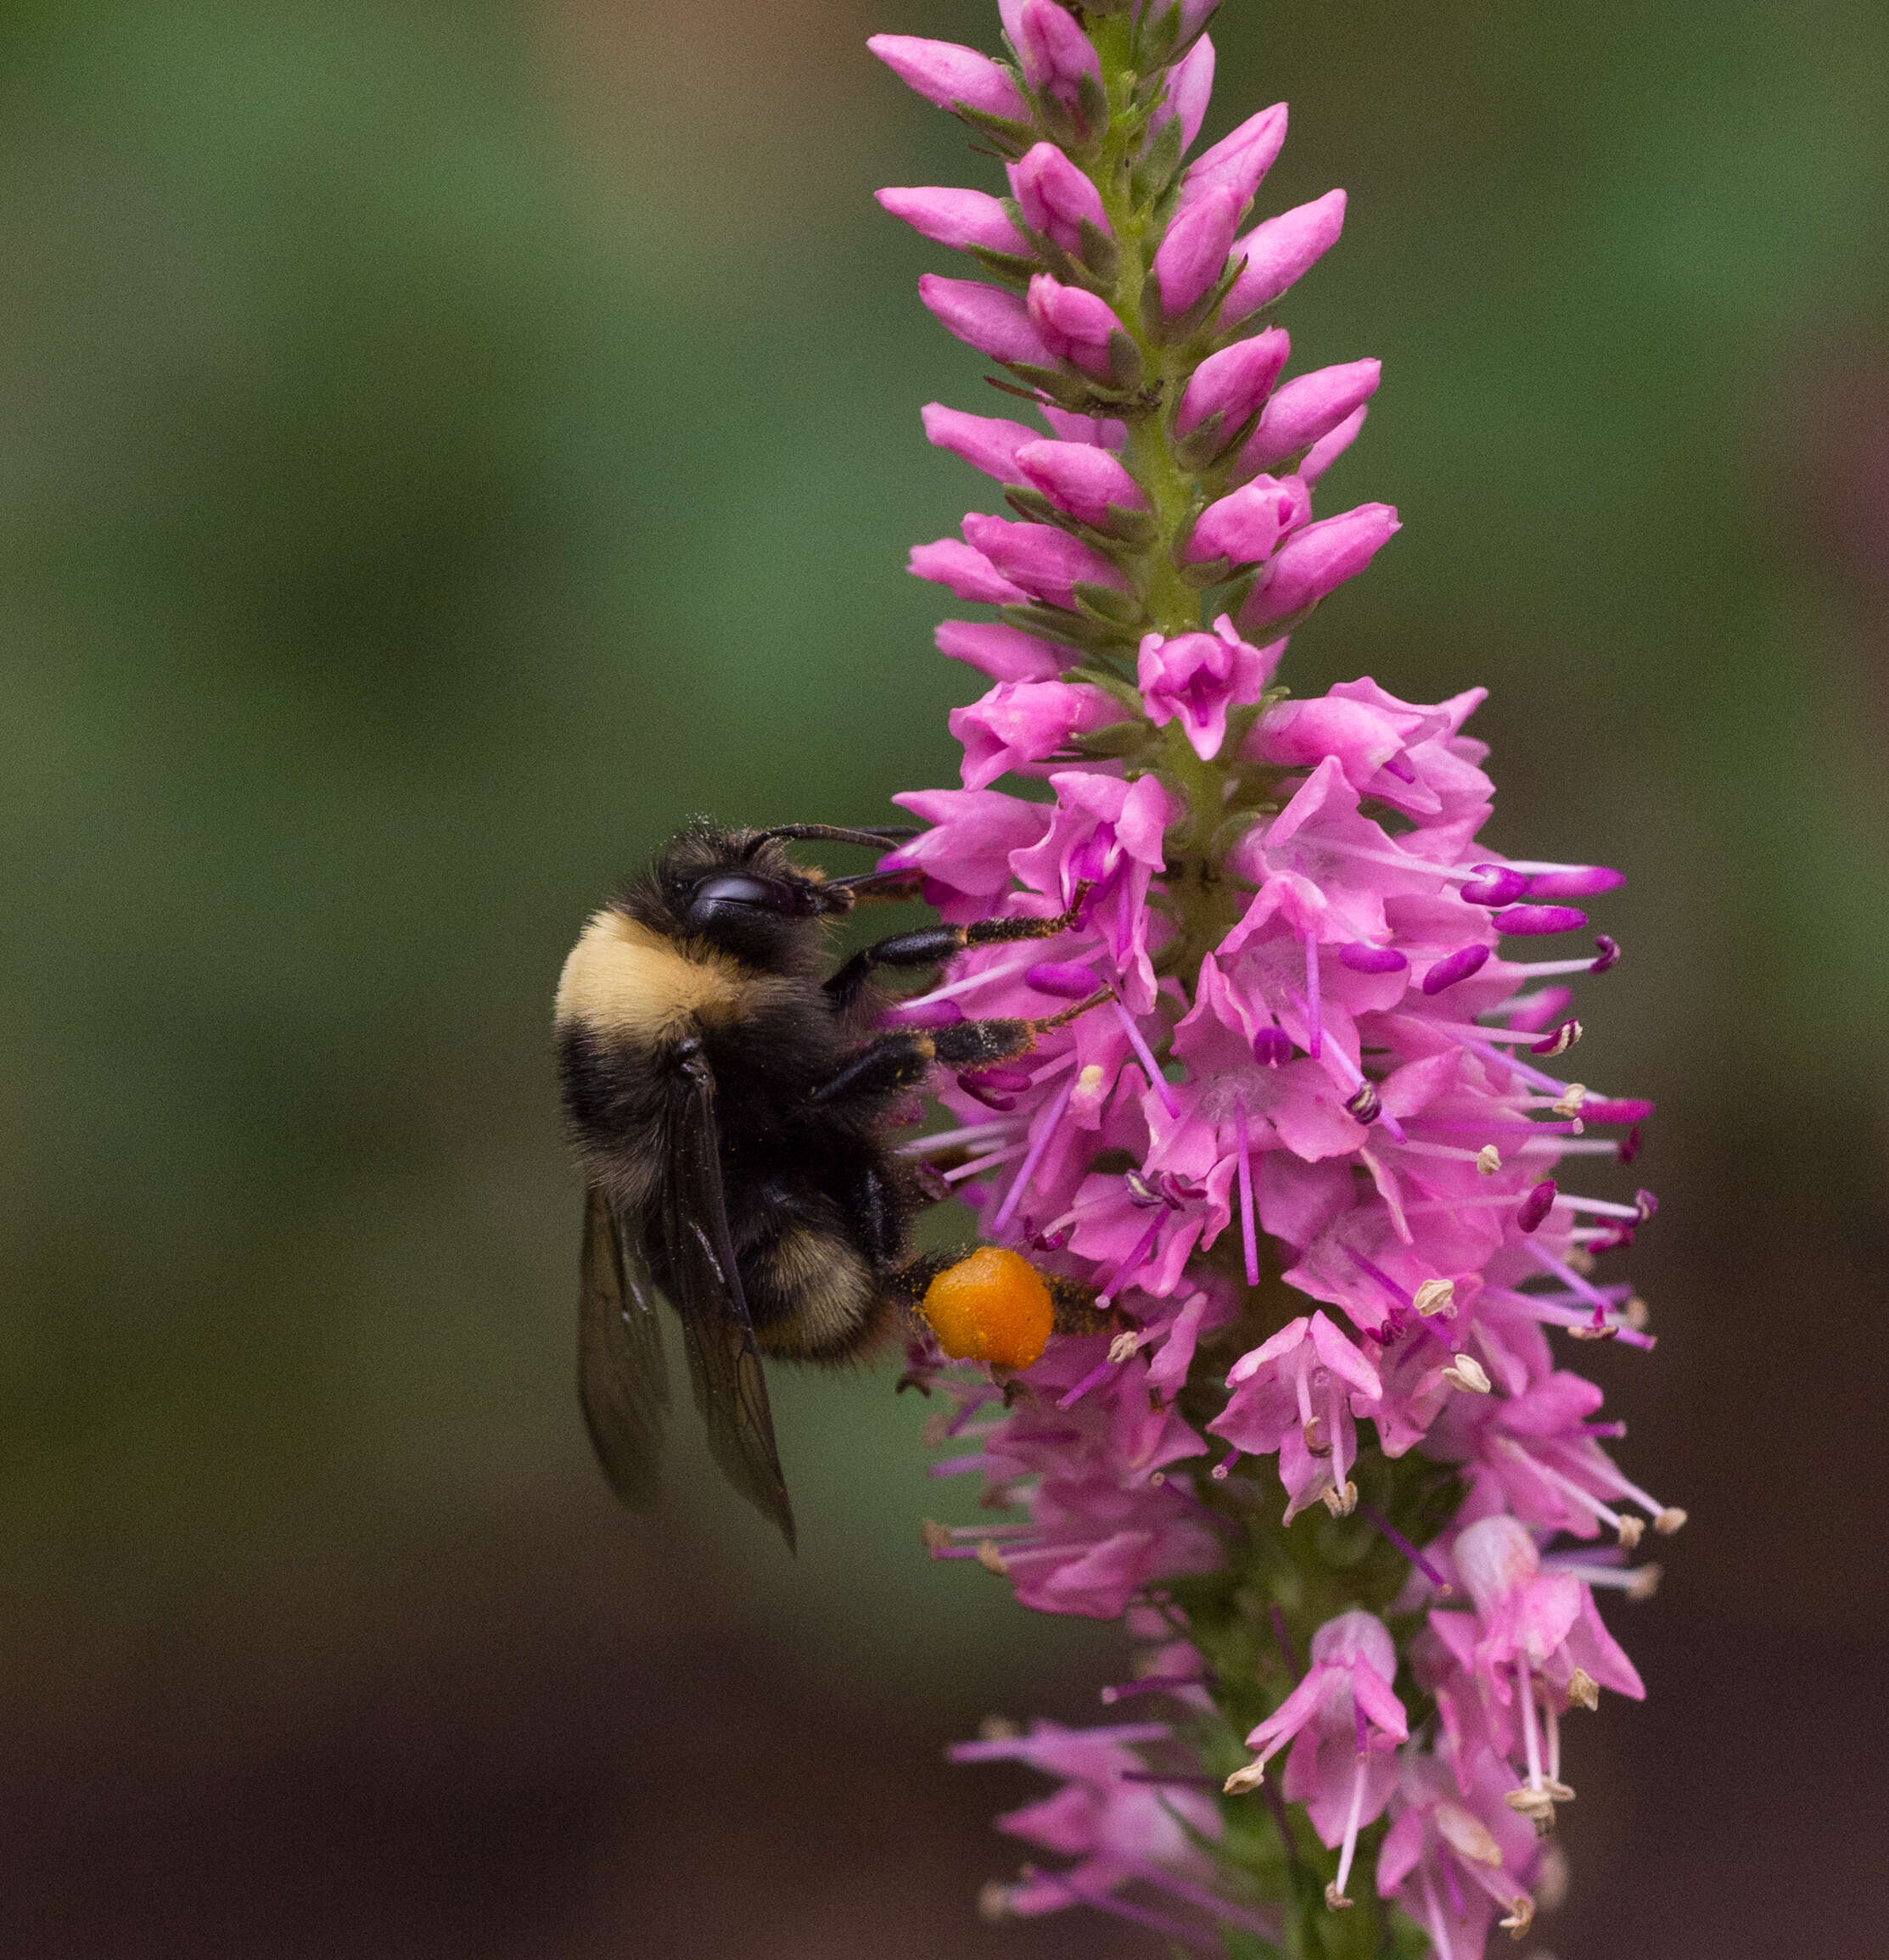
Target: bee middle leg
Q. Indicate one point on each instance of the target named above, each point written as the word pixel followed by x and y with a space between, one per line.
pixel 903 1057
pixel 933 944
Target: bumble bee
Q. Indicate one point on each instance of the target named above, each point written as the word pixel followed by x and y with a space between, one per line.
pixel 729 1105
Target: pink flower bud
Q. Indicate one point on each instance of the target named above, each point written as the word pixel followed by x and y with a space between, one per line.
pixel 1193 254
pixel 1236 163
pixel 1307 407
pixel 1190 86
pixel 1233 382
pixel 1056 53
pixel 1103 431
pixel 986 442
pixel 966 220
pixel 1326 450
pixel 1001 652
pixel 1247 525
pixel 1081 479
pixel 1198 676
pixel 1316 560
pixel 951 76
pixel 1055 197
pixel 965 572
pixel 1073 325
pixel 995 323
pixel 1047 562
pixel 1281 251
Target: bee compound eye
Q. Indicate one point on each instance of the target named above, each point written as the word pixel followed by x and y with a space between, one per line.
pixel 748 893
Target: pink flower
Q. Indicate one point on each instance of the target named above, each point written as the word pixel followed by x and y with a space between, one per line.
pixel 1193 254
pixel 1198 676
pixel 1293 1396
pixel 1455 1856
pixel 1004 652
pixel 1073 326
pixel 951 76
pixel 995 323
pixel 1228 387
pixel 1019 723
pixel 1082 480
pixel 1276 254
pixel 1236 163
pixel 986 442
pixel 1344 1724
pixel 1249 524
pixel 1317 560
pixel 968 572
pixel 966 220
pixel 1306 408
pixel 1056 55
pixel 1046 563
pixel 1189 86
pixel 1056 198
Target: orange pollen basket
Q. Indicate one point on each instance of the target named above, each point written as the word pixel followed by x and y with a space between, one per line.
pixel 990 1307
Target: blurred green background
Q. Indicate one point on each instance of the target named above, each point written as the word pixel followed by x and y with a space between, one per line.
pixel 443 444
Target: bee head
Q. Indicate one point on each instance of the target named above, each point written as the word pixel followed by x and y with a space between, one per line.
pixel 741 893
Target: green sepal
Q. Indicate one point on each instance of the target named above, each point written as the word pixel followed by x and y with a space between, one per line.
pixel 1127 370
pixel 1101 256
pixel 1154 171
pixel 1116 742
pixel 1127 534
pixel 1006 268
pixel 1063 389
pixel 1155 43
pixel 1231 829
pixel 1122 610
pixel 1086 634
pixel 1011 139
pixel 1117 688
pixel 1171 333
pixel 1207 572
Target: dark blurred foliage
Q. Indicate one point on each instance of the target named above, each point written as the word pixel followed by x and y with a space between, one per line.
pixel 440 446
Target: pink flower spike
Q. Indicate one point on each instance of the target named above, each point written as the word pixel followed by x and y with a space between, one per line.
pixel 1071 325
pixel 1276 254
pixel 1306 408
pixel 1004 652
pixel 1189 88
pixel 986 442
pixel 1056 198
pixel 1086 482
pixel 1193 254
pixel 1313 563
pixel 995 323
pixel 951 76
pixel 1236 163
pixel 1233 382
pixel 967 221
pixel 1056 53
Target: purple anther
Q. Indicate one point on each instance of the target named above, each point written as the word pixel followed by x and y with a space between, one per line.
pixel 923 1014
pixel 1140 1192
pixel 1495 885
pixel 1629 1145
pixel 1646 1204
pixel 988 1098
pixel 1067 981
pixel 1575 882
pixel 1610 953
pixel 1536 1206
pixel 1003 1080
pixel 1615 1109
pixel 1615 1240
pixel 1401 769
pixel 1054 1242
pixel 1363 959
pixel 1533 920
pixel 1454 967
pixel 1365 1105
pixel 1271 1046
pixel 1558 1039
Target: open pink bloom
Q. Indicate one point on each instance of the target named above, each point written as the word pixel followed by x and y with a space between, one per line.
pixel 1343 1723
pixel 1294 1395
pixel 1456 1855
pixel 1198 676
pixel 1019 723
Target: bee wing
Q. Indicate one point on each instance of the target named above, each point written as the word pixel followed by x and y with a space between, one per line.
pixel 724 1364
pixel 621 1380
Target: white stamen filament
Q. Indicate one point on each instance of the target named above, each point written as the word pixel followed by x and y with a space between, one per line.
pixel 978 1164
pixel 1524 1681
pixel 971 981
pixel 1433 1911
pixel 1568 1147
pixel 1628 1529
pixel 974 1133
pixel 1552 1722
pixel 1548 969
pixel 1351 1815
pixel 1038 1144
pixel 1603 1207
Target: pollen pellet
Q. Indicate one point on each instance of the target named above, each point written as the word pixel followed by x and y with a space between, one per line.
pixel 990 1307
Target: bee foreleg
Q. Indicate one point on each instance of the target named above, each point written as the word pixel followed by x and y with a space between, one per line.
pixel 934 945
